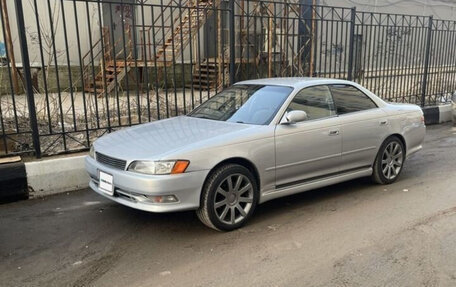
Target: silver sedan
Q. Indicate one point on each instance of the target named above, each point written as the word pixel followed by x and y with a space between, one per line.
pixel 253 142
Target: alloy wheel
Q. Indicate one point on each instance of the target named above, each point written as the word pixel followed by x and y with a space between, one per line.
pixel 392 160
pixel 233 198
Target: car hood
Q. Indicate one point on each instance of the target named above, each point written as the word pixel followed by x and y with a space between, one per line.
pixel 154 140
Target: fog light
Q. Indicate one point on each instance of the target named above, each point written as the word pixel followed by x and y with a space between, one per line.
pixel 163 199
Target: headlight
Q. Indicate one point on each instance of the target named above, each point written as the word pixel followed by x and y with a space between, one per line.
pixel 92 152
pixel 159 167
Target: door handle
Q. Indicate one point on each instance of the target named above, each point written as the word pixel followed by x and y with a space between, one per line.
pixel 383 122
pixel 334 132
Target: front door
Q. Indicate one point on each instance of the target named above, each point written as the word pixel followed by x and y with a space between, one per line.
pixel 310 149
pixel 118 19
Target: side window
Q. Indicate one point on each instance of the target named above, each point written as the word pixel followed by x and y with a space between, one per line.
pixel 349 99
pixel 316 101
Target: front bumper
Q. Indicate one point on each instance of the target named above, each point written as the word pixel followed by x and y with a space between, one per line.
pixel 134 189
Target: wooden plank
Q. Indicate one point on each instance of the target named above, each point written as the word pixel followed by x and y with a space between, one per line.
pixel 10 159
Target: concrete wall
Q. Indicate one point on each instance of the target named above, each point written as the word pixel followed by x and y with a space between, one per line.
pixel 46 34
pixel 440 9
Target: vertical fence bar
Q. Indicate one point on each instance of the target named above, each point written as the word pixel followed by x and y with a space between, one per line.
pixel 81 70
pixel 154 43
pixel 165 70
pixel 426 62
pixel 27 77
pixel 133 46
pixel 198 54
pixel 232 46
pixel 352 43
pixel 57 74
pixel 70 79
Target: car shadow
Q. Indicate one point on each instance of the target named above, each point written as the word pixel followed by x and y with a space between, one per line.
pixel 312 198
pixel 187 221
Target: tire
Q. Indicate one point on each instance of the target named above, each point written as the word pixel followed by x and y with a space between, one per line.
pixel 389 161
pixel 226 208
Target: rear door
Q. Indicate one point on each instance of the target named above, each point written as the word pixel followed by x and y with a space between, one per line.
pixel 363 126
pixel 312 148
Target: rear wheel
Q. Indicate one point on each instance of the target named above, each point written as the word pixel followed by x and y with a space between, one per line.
pixel 229 198
pixel 389 162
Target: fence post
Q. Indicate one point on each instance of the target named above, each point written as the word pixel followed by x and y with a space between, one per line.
pixel 232 44
pixel 352 44
pixel 426 62
pixel 27 77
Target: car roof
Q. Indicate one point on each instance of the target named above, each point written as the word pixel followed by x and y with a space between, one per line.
pixel 298 83
pixel 295 82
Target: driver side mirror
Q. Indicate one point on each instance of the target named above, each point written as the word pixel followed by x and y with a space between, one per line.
pixel 293 117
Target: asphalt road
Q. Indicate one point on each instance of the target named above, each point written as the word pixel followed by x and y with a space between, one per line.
pixel 351 234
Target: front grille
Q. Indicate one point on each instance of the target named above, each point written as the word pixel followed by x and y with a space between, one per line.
pixel 110 161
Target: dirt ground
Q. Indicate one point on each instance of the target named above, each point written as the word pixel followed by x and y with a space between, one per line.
pixel 351 234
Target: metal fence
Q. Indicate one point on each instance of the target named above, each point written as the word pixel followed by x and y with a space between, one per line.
pixel 74 70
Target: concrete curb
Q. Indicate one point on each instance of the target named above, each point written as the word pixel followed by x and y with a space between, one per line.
pixel 54 176
pixel 437 114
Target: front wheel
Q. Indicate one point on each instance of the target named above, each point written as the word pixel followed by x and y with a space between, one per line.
pixel 229 198
pixel 389 162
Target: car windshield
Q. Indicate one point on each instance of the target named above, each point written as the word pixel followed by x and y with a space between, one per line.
pixel 247 104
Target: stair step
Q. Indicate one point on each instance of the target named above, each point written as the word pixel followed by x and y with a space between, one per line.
pixel 120 63
pixel 196 78
pixel 203 84
pixel 208 65
pixel 168 50
pixel 165 62
pixel 204 78
pixel 207 69
pixel 116 70
pixel 170 42
pixel 205 72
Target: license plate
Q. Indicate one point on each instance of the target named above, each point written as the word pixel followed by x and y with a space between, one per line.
pixel 106 183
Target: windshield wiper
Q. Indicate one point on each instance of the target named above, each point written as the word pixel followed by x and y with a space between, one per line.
pixel 202 117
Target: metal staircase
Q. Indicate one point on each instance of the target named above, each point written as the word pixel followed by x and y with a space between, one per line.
pixel 103 70
pixel 114 71
pixel 102 78
pixel 211 74
pixel 192 15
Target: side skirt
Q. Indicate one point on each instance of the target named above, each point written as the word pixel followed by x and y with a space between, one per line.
pixel 314 184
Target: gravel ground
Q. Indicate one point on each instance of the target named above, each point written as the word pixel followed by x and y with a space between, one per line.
pixel 351 234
